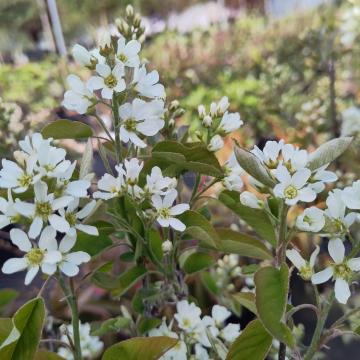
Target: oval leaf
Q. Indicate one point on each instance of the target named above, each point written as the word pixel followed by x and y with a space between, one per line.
pixel 24 338
pixel 47 355
pixel 252 165
pixel 197 261
pixel 271 291
pixel 253 344
pixel 246 299
pixel 151 348
pixel 328 152
pixel 256 218
pixel 234 242
pixel 67 129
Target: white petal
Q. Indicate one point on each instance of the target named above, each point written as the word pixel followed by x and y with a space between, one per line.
pixel 313 256
pixel 86 210
pixel 95 83
pixel 336 250
pixel 62 202
pixel 342 291
pixel 69 269
pixel 40 189
pixel 88 229
pixel 20 239
pixel 67 243
pixel 103 70
pixel 307 194
pixel 282 174
pixel 322 276
pixel 78 257
pixel 179 209
pixel 295 258
pixel 176 224
pixel 157 201
pixel 47 239
pixel 78 188
pixel 35 227
pixel 354 264
pixel 48 269
pixel 170 198
pixel 24 208
pixel 300 178
pixel 31 274
pixel 52 257
pixel 14 265
pixel 107 93
pixel 59 223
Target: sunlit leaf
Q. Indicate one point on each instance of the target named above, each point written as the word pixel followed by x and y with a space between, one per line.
pixel 67 129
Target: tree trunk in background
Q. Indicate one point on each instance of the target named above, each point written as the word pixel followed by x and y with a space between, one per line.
pixel 56 27
pixel 45 23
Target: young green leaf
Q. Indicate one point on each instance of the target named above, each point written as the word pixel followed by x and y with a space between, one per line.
pixel 253 343
pixel 67 129
pixel 27 324
pixel 151 348
pixel 111 325
pixel 234 242
pixel 197 261
pixel 246 299
pixel 256 218
pixel 328 152
pixel 252 165
pixel 271 291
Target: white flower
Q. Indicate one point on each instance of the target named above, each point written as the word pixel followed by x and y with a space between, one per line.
pixel 336 212
pixel 270 153
pixel 249 199
pixel 230 122
pixel 201 353
pixel 351 196
pixel 12 176
pixel 35 258
pixel 312 219
pixel 77 188
pixel 230 332
pixel 305 267
pixel 43 210
pixel 187 315
pixel 9 213
pixel 127 53
pixel 157 184
pixel 222 105
pixel 79 98
pixel 87 58
pixel 91 346
pixel 140 118
pixel 165 212
pixel 31 146
pixel 294 158
pixel 104 39
pixel 74 217
pixel 109 81
pixel 132 171
pixel 341 270
pixel 69 262
pixel 292 187
pixel 216 143
pixel 111 186
pixel 233 172
pixel 322 177
pixel 220 314
pixel 146 84
pixel 233 182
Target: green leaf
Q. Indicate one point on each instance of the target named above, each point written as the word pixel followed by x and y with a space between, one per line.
pixel 155 245
pixel 86 164
pixel 127 279
pixel 47 355
pixel 175 158
pixel 6 297
pixel 234 242
pixel 67 129
pixel 255 218
pixel 151 348
pixel 253 343
pixel 111 325
pixel 196 261
pixel 24 338
pixel 246 299
pixel 328 152
pixel 146 324
pixel 209 282
pixel 198 227
pixel 6 326
pixel 94 245
pixel 252 165
pixel 272 287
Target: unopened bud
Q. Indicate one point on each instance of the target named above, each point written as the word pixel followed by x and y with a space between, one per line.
pixel 167 246
pixel 174 105
pixel 20 157
pixel 250 200
pixel 201 111
pixel 207 121
pixel 137 21
pixel 213 109
pixel 129 11
pixel 216 143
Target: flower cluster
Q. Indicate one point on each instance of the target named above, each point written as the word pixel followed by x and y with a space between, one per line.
pixel 334 222
pixel 218 123
pixel 91 346
pixel 196 334
pixel 44 194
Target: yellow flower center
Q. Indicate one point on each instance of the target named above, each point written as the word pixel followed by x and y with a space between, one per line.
pixel 43 209
pixel 306 272
pixel 342 271
pixel 35 256
pixel 70 218
pixel 130 125
pixel 164 213
pixel 110 81
pixel 122 57
pixel 25 180
pixel 186 323
pixel 291 192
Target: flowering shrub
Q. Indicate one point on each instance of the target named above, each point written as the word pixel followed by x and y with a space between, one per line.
pixel 62 219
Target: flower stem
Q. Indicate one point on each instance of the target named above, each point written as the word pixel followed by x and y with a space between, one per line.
pixel 117 129
pixel 71 299
pixel 315 342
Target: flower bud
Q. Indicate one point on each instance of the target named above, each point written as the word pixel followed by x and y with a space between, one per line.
pixel 201 111
pixel 174 105
pixel 213 109
pixel 167 246
pixel 20 157
pixel 104 39
pixel 207 121
pixel 129 11
pixel 216 143
pixel 249 199
pixel 222 105
pixel 137 21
